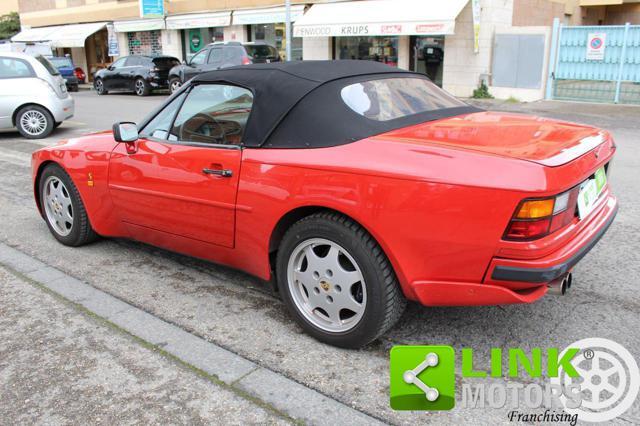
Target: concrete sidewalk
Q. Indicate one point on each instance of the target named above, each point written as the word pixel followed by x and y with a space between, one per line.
pixel 60 366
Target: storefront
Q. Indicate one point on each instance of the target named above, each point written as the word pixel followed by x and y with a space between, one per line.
pixel 198 30
pixel 141 37
pixel 409 34
pixel 268 25
pixel 85 43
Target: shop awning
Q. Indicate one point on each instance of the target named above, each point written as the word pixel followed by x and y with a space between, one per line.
pixel 138 25
pixel 60 36
pixel 268 15
pixel 380 18
pixel 199 20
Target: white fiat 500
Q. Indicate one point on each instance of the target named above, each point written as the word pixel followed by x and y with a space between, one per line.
pixel 33 95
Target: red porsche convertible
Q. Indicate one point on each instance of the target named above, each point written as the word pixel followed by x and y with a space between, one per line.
pixel 352 185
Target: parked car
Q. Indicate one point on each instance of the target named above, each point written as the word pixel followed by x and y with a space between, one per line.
pixel 221 55
pixel 33 95
pixel 68 70
pixel 136 73
pixel 353 185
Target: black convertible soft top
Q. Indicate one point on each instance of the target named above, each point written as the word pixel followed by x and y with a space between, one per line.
pixel 298 104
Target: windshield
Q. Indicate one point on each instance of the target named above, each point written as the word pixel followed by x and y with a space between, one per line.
pixel 391 98
pixel 261 51
pixel 61 62
pixel 48 65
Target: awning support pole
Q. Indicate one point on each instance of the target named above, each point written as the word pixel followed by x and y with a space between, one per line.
pixel 288 28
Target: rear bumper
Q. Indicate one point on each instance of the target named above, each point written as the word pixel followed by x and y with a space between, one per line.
pixel 510 281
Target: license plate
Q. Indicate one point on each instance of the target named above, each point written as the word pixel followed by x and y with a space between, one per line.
pixel 590 191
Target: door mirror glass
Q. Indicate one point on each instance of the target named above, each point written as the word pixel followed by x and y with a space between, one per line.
pixel 125 132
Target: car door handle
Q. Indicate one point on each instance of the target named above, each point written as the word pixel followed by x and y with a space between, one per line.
pixel 218 172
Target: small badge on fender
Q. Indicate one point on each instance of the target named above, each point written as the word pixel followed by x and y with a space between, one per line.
pixel 90 179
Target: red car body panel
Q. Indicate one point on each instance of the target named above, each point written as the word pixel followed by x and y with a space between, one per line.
pixel 437 197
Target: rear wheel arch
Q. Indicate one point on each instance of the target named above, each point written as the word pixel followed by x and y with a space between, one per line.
pixel 299 213
pixel 14 116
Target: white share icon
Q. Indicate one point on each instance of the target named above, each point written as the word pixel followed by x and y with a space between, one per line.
pixel 411 376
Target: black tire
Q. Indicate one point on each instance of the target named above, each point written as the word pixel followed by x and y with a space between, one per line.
pixel 81 231
pixel 75 88
pixel 385 301
pixel 47 122
pixel 174 84
pixel 98 84
pixel 141 87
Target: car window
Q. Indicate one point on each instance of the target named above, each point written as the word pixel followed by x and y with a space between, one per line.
pixel 165 62
pixel 159 126
pixel 233 55
pixel 119 63
pixel 199 58
pixel 215 56
pixel 60 62
pixel 215 114
pixel 48 65
pixel 15 68
pixel 133 61
pixel 261 51
pixel 391 98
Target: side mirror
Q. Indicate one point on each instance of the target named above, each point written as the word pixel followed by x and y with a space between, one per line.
pixel 125 132
pixel 110 67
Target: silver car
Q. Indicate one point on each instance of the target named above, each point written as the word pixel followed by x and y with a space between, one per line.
pixel 33 95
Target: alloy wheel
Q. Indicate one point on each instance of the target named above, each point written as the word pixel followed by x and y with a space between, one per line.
pixel 57 205
pixel 327 285
pixel 139 87
pixel 175 85
pixel 99 87
pixel 33 122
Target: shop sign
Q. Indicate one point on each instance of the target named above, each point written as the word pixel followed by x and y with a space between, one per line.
pixel 596 45
pixel 112 41
pixel 363 29
pixel 151 8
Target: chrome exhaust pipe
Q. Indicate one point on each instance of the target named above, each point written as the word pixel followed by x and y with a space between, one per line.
pixel 559 286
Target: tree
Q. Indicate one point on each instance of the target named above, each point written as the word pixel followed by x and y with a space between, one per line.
pixel 9 25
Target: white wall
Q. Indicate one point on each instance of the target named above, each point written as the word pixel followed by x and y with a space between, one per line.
pixel 316 48
pixel 404 52
pixel 79 56
pixel 171 43
pixel 463 67
pixel 235 33
pixel 123 45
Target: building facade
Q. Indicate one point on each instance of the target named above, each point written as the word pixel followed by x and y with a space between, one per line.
pixel 452 42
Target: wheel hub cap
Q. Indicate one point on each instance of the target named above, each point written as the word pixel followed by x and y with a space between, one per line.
pixel 327 285
pixel 57 206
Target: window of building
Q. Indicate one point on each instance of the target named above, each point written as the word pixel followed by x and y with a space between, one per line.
pixel 275 35
pixel 381 49
pixel 214 114
pixel 196 39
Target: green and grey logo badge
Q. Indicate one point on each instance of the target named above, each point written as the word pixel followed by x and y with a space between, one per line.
pixel 422 378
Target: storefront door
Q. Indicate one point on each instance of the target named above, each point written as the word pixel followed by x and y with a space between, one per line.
pixel 381 49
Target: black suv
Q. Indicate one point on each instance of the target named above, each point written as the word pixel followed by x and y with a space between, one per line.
pixel 137 73
pixel 221 55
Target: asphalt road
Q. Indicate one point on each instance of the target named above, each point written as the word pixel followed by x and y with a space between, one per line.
pixel 237 312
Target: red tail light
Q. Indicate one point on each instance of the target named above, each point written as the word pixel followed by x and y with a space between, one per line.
pixel 246 60
pixel 79 73
pixel 536 218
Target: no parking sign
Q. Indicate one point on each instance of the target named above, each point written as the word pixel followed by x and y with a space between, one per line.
pixel 596 44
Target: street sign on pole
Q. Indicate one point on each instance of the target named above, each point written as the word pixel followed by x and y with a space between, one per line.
pixel 289 36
